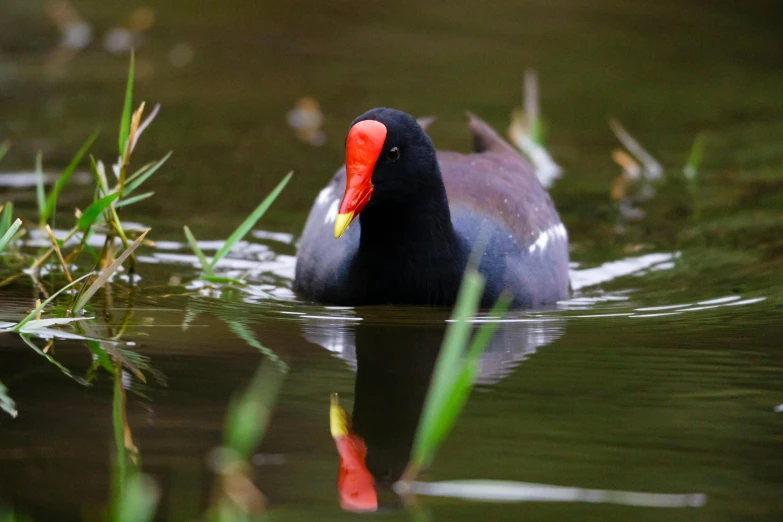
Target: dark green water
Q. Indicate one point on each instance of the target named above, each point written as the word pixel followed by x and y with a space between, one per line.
pixel 599 392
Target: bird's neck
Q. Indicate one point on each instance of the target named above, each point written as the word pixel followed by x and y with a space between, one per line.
pixel 408 250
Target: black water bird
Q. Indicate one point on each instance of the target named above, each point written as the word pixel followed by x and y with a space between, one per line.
pixel 420 214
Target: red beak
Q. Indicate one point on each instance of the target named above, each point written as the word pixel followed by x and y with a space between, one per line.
pixel 362 147
pixel 355 484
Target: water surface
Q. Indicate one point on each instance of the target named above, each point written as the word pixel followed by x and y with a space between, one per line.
pixel 661 374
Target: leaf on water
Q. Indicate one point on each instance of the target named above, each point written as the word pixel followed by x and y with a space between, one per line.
pixel 126 109
pixel 7 404
pixel 134 199
pixel 251 220
pixel 9 234
pixel 106 273
pixel 94 211
pixel 205 266
pixel 51 200
pixel 37 324
pixel 32 315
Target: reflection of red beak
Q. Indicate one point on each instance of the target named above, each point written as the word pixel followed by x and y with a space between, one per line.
pixel 355 484
pixel 362 147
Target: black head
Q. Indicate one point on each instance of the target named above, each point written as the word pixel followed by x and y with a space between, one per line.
pixel 389 160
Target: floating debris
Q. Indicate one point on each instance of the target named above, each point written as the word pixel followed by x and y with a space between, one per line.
pixel 306 119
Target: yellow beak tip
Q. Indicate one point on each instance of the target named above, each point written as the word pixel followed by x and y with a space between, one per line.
pixel 341 223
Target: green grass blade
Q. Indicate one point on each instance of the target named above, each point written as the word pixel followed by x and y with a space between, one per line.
pixel 63 369
pixel 31 316
pixel 134 199
pixel 205 266
pixel 483 337
pixel 9 234
pixel 694 158
pixel 251 220
pixel 51 200
pixel 40 190
pixel 244 333
pixel 143 175
pixel 463 383
pixel 94 211
pixel 100 355
pixel 222 280
pixel 127 108
pixel 448 368
pixel 248 414
pixel 7 404
pixel 138 499
pixel 106 273
pixel 4 148
pixel 6 217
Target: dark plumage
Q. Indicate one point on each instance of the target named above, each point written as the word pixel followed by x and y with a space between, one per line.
pixel 423 216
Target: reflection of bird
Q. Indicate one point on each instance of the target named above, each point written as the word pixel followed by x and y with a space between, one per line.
pixel 420 216
pixel 394 362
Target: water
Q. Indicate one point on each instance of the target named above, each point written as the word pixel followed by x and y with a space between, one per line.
pixel 662 374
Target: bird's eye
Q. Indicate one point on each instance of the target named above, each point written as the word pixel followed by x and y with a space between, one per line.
pixel 393 154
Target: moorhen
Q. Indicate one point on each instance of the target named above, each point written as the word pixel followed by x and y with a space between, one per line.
pixel 420 214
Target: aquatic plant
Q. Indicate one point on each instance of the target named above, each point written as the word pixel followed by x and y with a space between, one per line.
pixel 208 267
pixel 7 229
pixel 108 197
pixel 455 371
pixel 691 169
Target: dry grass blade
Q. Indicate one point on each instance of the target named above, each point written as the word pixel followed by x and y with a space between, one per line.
pixel 134 127
pixel 106 273
pixel 652 168
pixel 144 125
pixel 56 248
